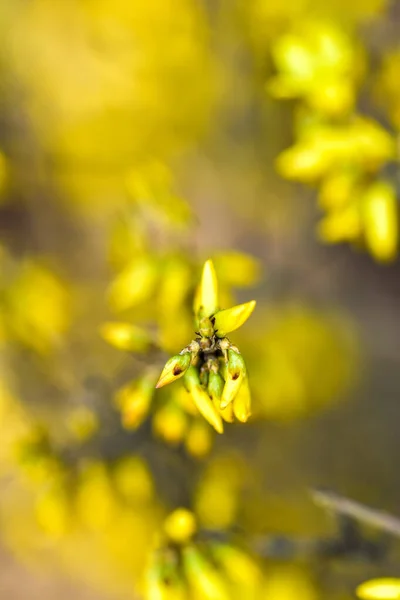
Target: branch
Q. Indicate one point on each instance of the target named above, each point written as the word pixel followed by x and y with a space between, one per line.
pixel 375 518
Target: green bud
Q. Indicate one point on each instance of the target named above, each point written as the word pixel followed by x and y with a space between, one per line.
pixel 215 386
pixel 175 368
pixel 236 370
pixel 232 318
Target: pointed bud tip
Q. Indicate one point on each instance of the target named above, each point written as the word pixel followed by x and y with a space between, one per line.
pixel 230 319
pixel 175 368
pixel 207 299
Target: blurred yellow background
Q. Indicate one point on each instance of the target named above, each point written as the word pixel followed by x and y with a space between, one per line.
pixel 138 140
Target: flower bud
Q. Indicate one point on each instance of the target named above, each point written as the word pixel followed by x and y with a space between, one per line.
pixel 381 220
pixel 206 300
pixel 239 566
pixel 125 336
pixel 174 369
pixel 134 401
pixel 204 580
pixel 236 371
pixel 202 400
pixel 232 318
pixel 163 580
pixel 199 439
pixel 215 386
pixel 242 402
pixel 135 284
pixel 180 526
pixel 170 423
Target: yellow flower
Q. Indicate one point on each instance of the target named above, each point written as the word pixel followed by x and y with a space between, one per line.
pixel 212 367
pixel 125 336
pixel 180 526
pixel 379 589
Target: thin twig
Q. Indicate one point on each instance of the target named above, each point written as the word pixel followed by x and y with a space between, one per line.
pixel 371 516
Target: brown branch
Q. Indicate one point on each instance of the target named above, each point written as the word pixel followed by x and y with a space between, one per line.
pixel 375 518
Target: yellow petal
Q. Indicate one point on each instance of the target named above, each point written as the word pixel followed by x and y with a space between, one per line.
pixel 135 284
pixel 180 525
pixel 134 401
pixel 125 336
pixel 242 402
pixel 199 439
pixel 206 301
pixel 207 409
pixel 379 589
pixel 381 221
pixel 170 423
pixel 237 269
pixel 204 580
pixel 202 400
pixel 232 318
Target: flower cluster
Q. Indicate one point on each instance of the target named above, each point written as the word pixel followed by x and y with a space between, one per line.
pixel 213 369
pixel 341 151
pixel 183 566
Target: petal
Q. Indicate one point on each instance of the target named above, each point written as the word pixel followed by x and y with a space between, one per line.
pixel 232 318
pixel 242 402
pixel 134 400
pixel 379 589
pixel 125 336
pixel 206 300
pixel 381 221
pixel 202 400
pixel 204 579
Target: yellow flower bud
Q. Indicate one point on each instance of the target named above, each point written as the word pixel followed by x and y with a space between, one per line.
pixel 387 588
pixel 237 268
pixel 174 369
pixel 204 580
pixel 134 284
pixel 302 162
pixel 180 526
pixel 230 319
pixel 134 402
pixel 240 567
pixel 227 413
pixel 333 98
pixel 125 336
pixel 206 300
pixel 381 220
pixel 163 581
pixel 242 402
pixel 202 400
pixel 170 423
pixel 132 480
pixel 199 439
pixel 236 371
pixel 337 189
pixel 341 225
